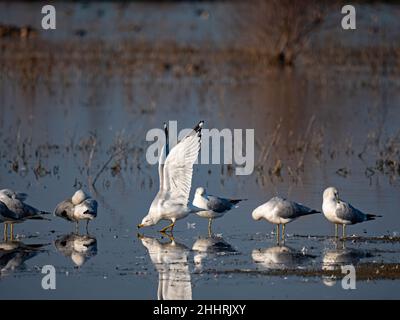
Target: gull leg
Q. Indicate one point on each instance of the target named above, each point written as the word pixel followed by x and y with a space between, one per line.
pixel 5 235
pixel 77 227
pixel 12 231
pixel 336 230
pixel 277 233
pixel 170 226
pixel 344 231
pixel 209 227
pixel 283 232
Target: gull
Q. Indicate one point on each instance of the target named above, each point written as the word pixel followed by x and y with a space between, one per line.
pixel 172 200
pixel 280 258
pixel 341 212
pixel 334 259
pixel 13 209
pixel 78 247
pixel 208 248
pixel 171 262
pixel 214 207
pixel 80 207
pixel 280 211
pixel 13 254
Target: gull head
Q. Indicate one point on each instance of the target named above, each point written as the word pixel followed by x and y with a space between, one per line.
pixel 147 222
pixel 200 191
pixel 79 196
pixel 331 193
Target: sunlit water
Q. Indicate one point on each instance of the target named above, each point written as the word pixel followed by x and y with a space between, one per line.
pixel 47 126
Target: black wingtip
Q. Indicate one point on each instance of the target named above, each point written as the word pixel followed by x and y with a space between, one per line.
pixel 199 126
pixel 372 216
pixel 236 201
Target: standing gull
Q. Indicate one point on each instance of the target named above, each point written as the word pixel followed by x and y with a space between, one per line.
pixel 280 212
pixel 214 207
pixel 341 212
pixel 80 207
pixel 172 200
pixel 14 210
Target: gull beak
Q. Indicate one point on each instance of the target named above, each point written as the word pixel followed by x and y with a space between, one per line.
pixel 140 226
pixel 140 236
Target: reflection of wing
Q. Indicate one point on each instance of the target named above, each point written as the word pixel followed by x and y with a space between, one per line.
pixel 13 254
pixel 178 169
pixel 171 262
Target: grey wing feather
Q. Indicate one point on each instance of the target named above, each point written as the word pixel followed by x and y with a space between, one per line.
pixel 22 210
pixel 219 205
pixel 347 212
pixel 290 209
pixel 302 210
pixel 91 205
pixel 5 213
pixel 283 207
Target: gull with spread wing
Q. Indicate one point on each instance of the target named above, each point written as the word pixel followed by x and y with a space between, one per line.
pixel 175 169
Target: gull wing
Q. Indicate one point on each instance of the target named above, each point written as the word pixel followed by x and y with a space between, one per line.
pixel 178 168
pixel 217 204
pixel 347 212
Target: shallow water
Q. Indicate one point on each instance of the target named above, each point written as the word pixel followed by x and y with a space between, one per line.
pixel 327 119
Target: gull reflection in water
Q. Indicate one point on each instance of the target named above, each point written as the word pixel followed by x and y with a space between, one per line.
pixel 171 262
pixel 78 247
pixel 13 255
pixel 334 259
pixel 209 247
pixel 281 257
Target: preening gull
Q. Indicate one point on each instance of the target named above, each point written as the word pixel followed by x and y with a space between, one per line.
pixel 78 247
pixel 341 212
pixel 172 200
pixel 13 209
pixel 80 207
pixel 214 207
pixel 280 211
pixel 280 258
